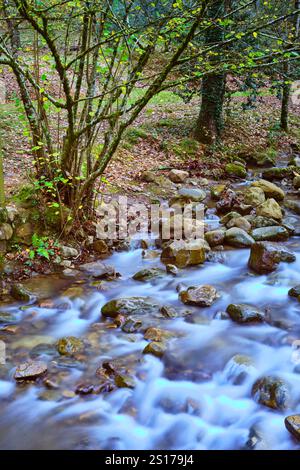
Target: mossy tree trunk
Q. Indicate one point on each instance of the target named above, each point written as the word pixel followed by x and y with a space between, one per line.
pixel 210 122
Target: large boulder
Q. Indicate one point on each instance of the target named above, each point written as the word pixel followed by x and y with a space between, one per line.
pixel 266 256
pixel 274 234
pixel 271 392
pixel 271 209
pixel 277 173
pixel 129 306
pixel 178 176
pixel 254 196
pixel 271 190
pixel 242 313
pixel 238 238
pixel 185 253
pixel 201 296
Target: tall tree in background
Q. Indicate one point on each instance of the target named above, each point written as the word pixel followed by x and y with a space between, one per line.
pixel 292 35
pixel 210 122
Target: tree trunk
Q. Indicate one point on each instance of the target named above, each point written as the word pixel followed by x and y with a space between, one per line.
pixel 210 122
pixel 286 86
pixel 286 90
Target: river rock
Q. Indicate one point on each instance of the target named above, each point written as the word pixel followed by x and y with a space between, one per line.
pixel 100 246
pixel 98 270
pixel 172 269
pixel 68 252
pixel 226 202
pixel 235 169
pixel 178 176
pixel 215 237
pixel 296 182
pixel 242 313
pixel 254 196
pixel 129 306
pixel 146 275
pixel 231 215
pixel 258 221
pixel 274 234
pixel 292 424
pixel 7 318
pixel 185 253
pixel 148 176
pixel 271 190
pixel 238 238
pixel 238 368
pixel 69 345
pixel 266 256
pixel 155 348
pixel 293 292
pixel 293 206
pixel 124 381
pixel 201 296
pixel 271 209
pixel 131 325
pixel 19 292
pixel 277 173
pixel 30 370
pixel 187 196
pixel 271 392
pixel 216 191
pixel 239 222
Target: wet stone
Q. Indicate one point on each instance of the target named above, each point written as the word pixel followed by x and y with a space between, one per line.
pixel 131 325
pixel 271 392
pixel 275 234
pixel 7 318
pixel 30 370
pixel 155 348
pixel 69 345
pixel 124 381
pixel 129 306
pixel 98 270
pixel 294 291
pixel 292 424
pixel 242 313
pixel 19 292
pixel 201 296
pixel 148 274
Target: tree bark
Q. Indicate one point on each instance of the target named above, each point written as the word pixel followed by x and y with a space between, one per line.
pixel 210 121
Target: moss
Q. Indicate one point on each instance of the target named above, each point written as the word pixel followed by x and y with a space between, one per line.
pixel 133 135
pixel 26 196
pixel 233 169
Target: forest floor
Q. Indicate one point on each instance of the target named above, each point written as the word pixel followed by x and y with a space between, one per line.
pixel 162 138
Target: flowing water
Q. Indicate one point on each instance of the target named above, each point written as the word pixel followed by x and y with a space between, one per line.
pixel 190 399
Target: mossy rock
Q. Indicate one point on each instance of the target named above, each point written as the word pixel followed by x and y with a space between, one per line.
pixel 27 197
pixel 233 169
pixel 278 173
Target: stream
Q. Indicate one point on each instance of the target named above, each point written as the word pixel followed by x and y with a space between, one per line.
pixel 192 398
